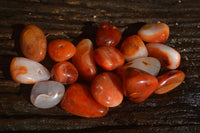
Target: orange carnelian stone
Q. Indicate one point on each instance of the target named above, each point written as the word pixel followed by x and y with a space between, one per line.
pixel 60 50
pixel 107 35
pixel 84 60
pixel 138 85
pixel 64 72
pixel 79 101
pixel 109 58
pixel 154 32
pixel 169 81
pixel 133 47
pixel 33 43
pixel 106 89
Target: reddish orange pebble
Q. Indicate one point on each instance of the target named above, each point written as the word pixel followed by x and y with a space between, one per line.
pixel 107 35
pixel 84 60
pixel 60 50
pixel 133 47
pixel 138 85
pixel 109 58
pixel 106 89
pixel 33 43
pixel 64 72
pixel 169 81
pixel 154 32
pixel 79 101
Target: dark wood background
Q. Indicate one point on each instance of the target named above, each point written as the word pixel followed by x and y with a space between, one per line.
pixel 176 111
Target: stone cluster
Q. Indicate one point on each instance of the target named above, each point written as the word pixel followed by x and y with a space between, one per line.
pixel 109 73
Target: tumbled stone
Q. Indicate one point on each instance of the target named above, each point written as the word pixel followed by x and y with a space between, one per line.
pixel 168 56
pixel 27 71
pixel 154 32
pixel 84 60
pixel 61 50
pixel 133 47
pixel 33 43
pixel 138 85
pixel 109 58
pixel 78 100
pixel 107 35
pixel 169 81
pixel 64 72
pixel 106 89
pixel 47 94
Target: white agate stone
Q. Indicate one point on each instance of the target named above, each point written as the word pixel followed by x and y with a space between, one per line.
pixel 27 71
pixel 148 64
pixel 168 56
pixel 47 94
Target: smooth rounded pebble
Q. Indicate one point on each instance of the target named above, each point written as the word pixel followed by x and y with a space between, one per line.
pixel 47 94
pixel 168 56
pixel 27 71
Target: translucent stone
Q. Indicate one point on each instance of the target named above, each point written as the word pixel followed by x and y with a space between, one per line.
pixel 138 85
pixel 27 71
pixel 64 72
pixel 106 89
pixel 109 58
pixel 133 47
pixel 150 65
pixel 47 94
pixel 61 50
pixel 168 57
pixel 84 60
pixel 169 80
pixel 33 43
pixel 107 35
pixel 154 32
pixel 78 100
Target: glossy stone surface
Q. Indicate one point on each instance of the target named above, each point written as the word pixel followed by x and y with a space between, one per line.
pixel 84 60
pixel 47 94
pixel 106 89
pixel 64 72
pixel 79 101
pixel 107 35
pixel 168 56
pixel 138 85
pixel 33 43
pixel 169 81
pixel 61 50
pixel 133 47
pixel 154 32
pixel 150 65
pixel 109 58
pixel 27 71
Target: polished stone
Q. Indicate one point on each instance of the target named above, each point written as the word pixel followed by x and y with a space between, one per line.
pixel 47 94
pixel 27 71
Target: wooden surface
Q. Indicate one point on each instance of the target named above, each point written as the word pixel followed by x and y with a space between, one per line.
pixel 176 111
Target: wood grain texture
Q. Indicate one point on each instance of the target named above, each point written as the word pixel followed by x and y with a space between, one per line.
pixel 73 20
